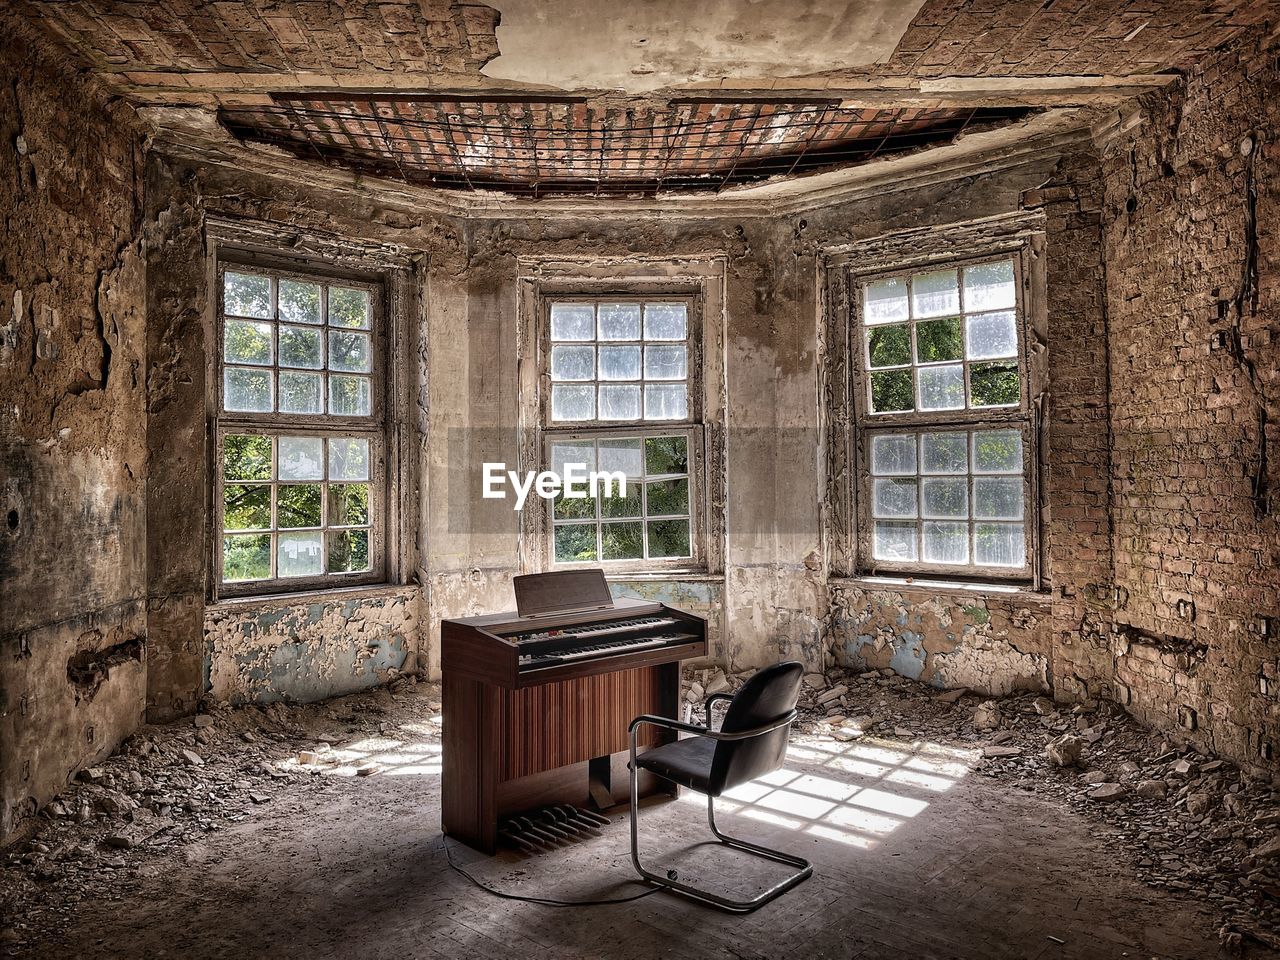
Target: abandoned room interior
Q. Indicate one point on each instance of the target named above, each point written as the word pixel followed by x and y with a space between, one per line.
pixel 574 479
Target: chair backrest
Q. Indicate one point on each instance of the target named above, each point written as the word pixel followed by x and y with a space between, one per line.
pixel 768 696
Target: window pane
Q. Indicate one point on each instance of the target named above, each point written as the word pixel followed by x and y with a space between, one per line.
pixel 247 342
pixel 299 302
pixel 246 458
pixel 628 506
pixel 891 392
pixel 348 458
pixel 666 401
pixel 894 541
pixel 885 301
pixel 939 340
pixel 301 458
pixel 247 390
pixel 997 498
pixel 620 402
pixel 246 507
pixel 622 456
pixel 621 541
pixel 945 497
pixel 348 504
pixel 893 498
pixel 944 452
pixel 246 558
pixel 298 505
pixel 573 508
pixel 350 396
pixel 666 455
pixel 298 554
pixel 893 454
pixel 934 294
pixel 573 363
pixel 989 286
pixel 300 347
pixel 668 498
pixel 665 321
pixel 669 538
pixel 665 363
pixel 573 321
pixel 573 403
pixel 946 542
pixel 999 545
pixel 889 346
pixel 348 551
pixel 246 295
pixel 349 351
pixel 575 542
pixel 994 384
pixel 565 452
pixel 619 321
pixel 992 335
pixel 301 393
pixel 348 308
pixel 619 363
pixel 942 388
pixel 997 451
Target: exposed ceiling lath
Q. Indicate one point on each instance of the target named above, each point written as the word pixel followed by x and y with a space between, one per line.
pixel 558 147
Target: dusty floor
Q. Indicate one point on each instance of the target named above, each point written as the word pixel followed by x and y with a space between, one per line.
pixel 922 847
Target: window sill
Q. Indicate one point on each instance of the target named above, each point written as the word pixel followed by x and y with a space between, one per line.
pixel 960 588
pixel 684 576
pixel 258 600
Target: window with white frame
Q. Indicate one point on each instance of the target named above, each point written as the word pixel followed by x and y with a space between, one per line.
pixel 944 429
pixel 300 436
pixel 623 397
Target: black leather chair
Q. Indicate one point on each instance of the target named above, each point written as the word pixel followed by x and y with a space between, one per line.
pixel 751 742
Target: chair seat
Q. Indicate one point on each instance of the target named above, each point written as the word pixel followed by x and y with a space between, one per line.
pixel 686 762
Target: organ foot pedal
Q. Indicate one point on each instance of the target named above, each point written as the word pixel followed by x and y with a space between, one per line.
pixel 544 829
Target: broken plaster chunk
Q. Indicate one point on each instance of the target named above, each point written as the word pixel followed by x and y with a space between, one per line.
pixel 999 752
pixel 367 769
pixel 1198 804
pixel 1065 751
pixel 1108 791
pixel 986 716
pixel 1185 769
pixel 202 721
pixel 951 696
pixel 1095 776
pixel 1151 789
pixel 193 758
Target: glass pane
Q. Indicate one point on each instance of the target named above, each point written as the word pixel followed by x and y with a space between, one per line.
pixel 350 396
pixel 349 308
pixel 893 498
pixel 992 335
pixel 934 294
pixel 619 321
pixel 298 554
pixel 247 342
pixel 573 321
pixel 994 384
pixel 348 504
pixel 300 347
pixel 348 551
pixel 620 402
pixel 348 458
pixel 575 542
pixel 616 506
pixel 248 390
pixel 889 346
pixel 942 388
pixel 619 363
pixel 246 295
pixel 939 340
pixel 301 393
pixel 573 363
pixel 246 507
pixel 666 401
pixel 997 498
pixel 573 508
pixel 573 403
pixel 246 558
pixel 989 286
pixel 893 454
pixel 246 458
pixel 665 321
pixel 946 542
pixel 622 456
pixel 894 541
pixel 666 455
pixel 668 498
pixel 945 497
pixel 565 452
pixel 884 301
pixel 999 545
pixel 669 538
pixel 891 392
pixel 349 351
pixel 299 301
pixel 944 452
pixel 301 458
pixel 621 541
pixel 997 451
pixel 665 363
pixel 298 505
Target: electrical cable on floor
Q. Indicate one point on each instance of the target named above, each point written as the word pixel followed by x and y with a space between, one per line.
pixel 545 901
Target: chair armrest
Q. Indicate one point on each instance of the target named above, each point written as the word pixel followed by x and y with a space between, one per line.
pixel 711 701
pixel 670 724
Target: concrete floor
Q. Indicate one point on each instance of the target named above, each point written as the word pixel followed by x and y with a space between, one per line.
pixel 915 856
